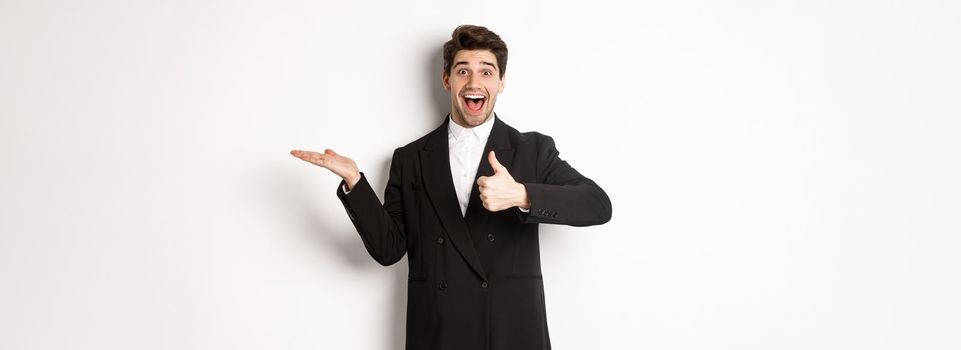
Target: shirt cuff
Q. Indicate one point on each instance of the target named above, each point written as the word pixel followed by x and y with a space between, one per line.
pixel 528 210
pixel 344 187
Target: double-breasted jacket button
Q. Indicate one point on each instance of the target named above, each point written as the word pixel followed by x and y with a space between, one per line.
pixel 483 284
pixel 440 240
pixel 442 286
pixel 490 237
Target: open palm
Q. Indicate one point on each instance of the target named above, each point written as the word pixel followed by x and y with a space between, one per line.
pixel 336 163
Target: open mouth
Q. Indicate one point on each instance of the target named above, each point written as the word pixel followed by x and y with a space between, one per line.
pixel 474 102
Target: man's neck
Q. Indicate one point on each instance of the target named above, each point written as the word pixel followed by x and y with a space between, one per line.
pixel 463 125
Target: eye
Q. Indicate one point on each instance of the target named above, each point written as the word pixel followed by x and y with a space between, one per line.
pixel 462 72
pixel 487 72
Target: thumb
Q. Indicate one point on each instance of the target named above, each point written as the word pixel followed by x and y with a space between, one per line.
pixel 330 152
pixel 495 164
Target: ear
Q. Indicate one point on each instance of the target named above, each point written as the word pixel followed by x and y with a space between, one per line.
pixel 500 88
pixel 445 78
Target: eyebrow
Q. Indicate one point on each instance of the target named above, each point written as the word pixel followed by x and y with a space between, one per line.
pixel 482 62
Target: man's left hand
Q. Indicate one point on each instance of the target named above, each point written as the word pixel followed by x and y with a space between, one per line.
pixel 500 191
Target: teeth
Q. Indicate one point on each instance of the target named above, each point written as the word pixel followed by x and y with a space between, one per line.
pixel 474 97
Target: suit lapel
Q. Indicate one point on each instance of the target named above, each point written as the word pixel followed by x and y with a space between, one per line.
pixel 435 166
pixel 499 142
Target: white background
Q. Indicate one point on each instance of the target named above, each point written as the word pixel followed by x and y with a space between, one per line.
pixel 783 173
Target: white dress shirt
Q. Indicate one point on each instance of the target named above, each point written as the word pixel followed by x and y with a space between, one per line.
pixel 466 148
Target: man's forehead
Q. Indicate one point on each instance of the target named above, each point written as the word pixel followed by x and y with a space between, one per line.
pixel 475 57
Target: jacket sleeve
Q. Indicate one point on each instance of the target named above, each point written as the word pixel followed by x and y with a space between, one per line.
pixel 381 227
pixel 562 195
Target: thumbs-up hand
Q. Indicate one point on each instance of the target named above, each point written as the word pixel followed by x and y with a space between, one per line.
pixel 500 191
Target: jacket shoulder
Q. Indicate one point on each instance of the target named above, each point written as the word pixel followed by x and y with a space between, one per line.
pixel 532 139
pixel 411 148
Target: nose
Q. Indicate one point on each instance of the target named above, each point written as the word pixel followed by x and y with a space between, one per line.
pixel 472 82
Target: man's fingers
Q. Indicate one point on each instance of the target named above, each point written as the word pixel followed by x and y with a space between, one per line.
pixel 312 157
pixel 305 155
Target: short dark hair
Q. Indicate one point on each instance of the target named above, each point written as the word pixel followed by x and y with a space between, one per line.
pixel 471 37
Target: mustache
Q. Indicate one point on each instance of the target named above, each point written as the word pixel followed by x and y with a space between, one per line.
pixel 465 93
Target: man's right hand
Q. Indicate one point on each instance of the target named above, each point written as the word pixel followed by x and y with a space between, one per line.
pixel 338 164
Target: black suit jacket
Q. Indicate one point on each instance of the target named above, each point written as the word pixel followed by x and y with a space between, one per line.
pixel 475 282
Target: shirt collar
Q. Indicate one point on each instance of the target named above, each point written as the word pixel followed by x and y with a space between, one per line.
pixel 480 132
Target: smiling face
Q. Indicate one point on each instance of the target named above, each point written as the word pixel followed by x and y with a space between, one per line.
pixel 473 81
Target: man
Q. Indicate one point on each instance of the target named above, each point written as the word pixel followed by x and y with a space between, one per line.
pixel 464 203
